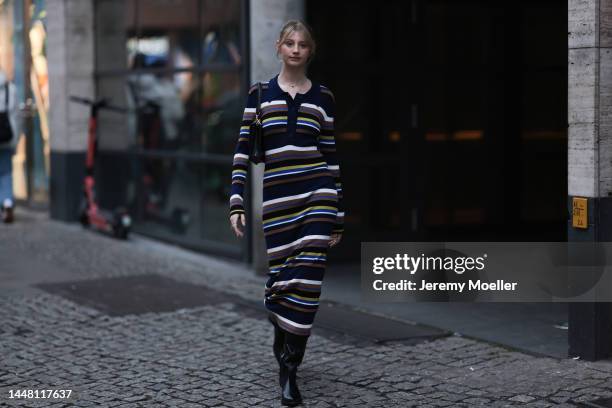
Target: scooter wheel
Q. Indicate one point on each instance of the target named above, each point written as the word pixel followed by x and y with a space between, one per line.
pixel 121 224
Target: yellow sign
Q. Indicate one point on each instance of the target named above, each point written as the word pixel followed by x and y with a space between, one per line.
pixel 579 213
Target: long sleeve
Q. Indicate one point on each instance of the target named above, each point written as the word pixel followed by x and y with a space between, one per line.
pixel 240 166
pixel 327 146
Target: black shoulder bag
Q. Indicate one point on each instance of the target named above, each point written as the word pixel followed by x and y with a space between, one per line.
pixel 257 154
pixel 6 133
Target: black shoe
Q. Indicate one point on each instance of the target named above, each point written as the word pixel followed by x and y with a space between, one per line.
pixel 290 359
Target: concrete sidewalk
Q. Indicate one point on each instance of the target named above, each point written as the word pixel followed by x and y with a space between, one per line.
pixel 141 323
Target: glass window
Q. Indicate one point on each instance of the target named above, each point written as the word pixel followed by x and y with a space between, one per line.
pixel 221 32
pixel 164 111
pixel 222 107
pixel 215 193
pixel 165 200
pixel 177 66
pixel 168 33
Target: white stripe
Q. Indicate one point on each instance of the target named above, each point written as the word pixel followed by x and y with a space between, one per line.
pixel 274 122
pixel 292 220
pixel 272 103
pixel 333 166
pixel 291 148
pixel 241 156
pixel 288 198
pixel 297 241
pixel 250 110
pixel 286 172
pixel 320 109
pixel 313 282
pixel 236 197
pixel 303 326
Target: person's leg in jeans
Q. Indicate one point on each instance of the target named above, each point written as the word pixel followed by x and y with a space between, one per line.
pixel 6 184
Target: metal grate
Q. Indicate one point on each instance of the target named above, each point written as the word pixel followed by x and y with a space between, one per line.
pixel 138 294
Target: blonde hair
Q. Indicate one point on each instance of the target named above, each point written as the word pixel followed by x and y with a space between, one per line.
pixel 297 25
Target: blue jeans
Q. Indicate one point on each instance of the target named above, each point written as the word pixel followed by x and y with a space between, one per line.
pixel 6 175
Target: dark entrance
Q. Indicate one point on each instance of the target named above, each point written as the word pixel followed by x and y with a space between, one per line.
pixel 451 118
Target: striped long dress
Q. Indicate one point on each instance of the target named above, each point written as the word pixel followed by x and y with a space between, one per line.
pixel 302 196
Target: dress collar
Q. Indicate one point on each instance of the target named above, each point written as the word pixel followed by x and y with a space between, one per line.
pixel 275 90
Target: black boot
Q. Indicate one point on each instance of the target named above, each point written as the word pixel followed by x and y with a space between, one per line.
pixel 291 357
pixel 279 340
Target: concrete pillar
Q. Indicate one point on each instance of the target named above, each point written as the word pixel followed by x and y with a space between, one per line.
pixel 71 69
pixel 590 156
pixel 266 20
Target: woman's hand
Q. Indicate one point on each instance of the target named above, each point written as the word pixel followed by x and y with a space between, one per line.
pixel 334 239
pixel 239 231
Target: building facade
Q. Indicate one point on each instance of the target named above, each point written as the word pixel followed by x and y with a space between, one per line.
pixel 457 121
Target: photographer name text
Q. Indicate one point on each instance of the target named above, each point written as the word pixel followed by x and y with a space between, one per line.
pixel 409 285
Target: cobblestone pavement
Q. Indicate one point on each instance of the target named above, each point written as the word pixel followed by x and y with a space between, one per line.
pixel 220 356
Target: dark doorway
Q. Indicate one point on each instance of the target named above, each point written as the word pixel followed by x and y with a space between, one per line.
pixel 451 118
pixel 451 125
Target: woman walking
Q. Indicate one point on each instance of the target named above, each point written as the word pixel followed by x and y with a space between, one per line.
pixel 302 210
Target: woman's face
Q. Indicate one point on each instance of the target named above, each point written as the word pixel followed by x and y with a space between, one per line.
pixel 294 50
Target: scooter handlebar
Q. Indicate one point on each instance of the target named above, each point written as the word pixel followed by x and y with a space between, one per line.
pixel 100 104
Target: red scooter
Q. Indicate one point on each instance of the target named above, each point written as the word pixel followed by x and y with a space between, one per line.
pixel 117 222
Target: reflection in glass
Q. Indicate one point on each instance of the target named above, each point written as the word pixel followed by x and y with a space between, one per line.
pixel 164 111
pixel 215 190
pixel 177 66
pixel 166 200
pixel 168 32
pixel 222 105
pixel 221 32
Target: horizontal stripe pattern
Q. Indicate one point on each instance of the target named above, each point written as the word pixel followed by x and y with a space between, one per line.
pixel 302 194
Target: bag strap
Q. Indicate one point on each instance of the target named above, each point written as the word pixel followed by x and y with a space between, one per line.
pixel 258 109
pixel 6 96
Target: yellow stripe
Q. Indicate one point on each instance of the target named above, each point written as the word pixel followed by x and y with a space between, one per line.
pixel 298 166
pixel 274 118
pixel 291 258
pixel 300 212
pixel 308 120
